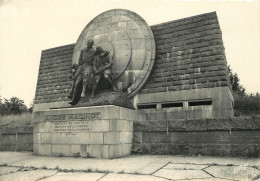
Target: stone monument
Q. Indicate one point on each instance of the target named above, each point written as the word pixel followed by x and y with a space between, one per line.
pixel 165 86
pixel 116 47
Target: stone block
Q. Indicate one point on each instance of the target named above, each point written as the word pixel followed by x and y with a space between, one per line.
pixel 109 112
pixel 8 139
pixel 45 138
pixel 156 137
pixel 71 138
pixel 126 137
pixel 141 116
pixel 124 125
pixel 96 138
pixel 115 151
pixel 178 138
pixel 105 151
pixel 241 137
pixel 157 115
pixel 61 150
pixel 128 114
pixel 35 149
pixel 83 150
pixel 43 149
pixel 111 137
pixel 38 116
pixel 22 139
pixel 112 151
pixel 126 149
pixel 45 127
pixel 195 114
pixel 112 125
pixel 119 150
pixel 76 150
pixel 37 138
pixel 100 125
pixel 204 137
pixel 175 113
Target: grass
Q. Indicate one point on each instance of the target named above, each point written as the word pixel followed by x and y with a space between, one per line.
pixel 24 120
pixel 136 173
pixel 101 171
pixel 44 167
pixel 89 170
pixel 255 167
pixel 121 172
pixel 230 165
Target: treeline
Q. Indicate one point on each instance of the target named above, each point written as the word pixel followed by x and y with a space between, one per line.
pixel 13 106
pixel 244 104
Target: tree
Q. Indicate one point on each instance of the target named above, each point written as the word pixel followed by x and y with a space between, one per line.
pixel 2 107
pixel 12 106
pixel 244 104
pixel 30 110
pixel 234 80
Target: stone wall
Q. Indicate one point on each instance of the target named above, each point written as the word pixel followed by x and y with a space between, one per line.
pixel 54 75
pixel 238 136
pixel 189 55
pixel 155 134
pixel 16 138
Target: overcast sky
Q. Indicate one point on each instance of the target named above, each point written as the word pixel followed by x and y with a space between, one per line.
pixel 28 27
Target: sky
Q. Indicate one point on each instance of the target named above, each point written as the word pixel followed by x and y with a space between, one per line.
pixel 27 27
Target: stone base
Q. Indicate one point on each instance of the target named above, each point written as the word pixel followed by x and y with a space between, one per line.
pixel 100 132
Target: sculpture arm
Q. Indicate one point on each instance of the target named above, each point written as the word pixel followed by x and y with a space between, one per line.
pixel 109 63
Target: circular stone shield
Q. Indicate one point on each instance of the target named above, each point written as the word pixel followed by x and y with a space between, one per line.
pixel 131 44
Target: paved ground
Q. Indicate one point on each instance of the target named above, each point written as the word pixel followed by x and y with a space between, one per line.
pixel 26 166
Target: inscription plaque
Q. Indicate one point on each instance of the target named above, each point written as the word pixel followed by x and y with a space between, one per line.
pixel 71 117
pixel 74 126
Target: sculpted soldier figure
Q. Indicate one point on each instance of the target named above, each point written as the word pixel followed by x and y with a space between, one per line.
pixel 84 73
pixel 102 68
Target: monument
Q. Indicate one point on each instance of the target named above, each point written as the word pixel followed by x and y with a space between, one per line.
pixel 117 47
pixel 127 87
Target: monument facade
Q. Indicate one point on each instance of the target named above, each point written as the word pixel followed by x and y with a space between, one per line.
pixel 174 74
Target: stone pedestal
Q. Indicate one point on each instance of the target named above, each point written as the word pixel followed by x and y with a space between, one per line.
pixel 99 131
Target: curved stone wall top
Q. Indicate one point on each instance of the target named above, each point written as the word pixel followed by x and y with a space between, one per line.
pixel 131 43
